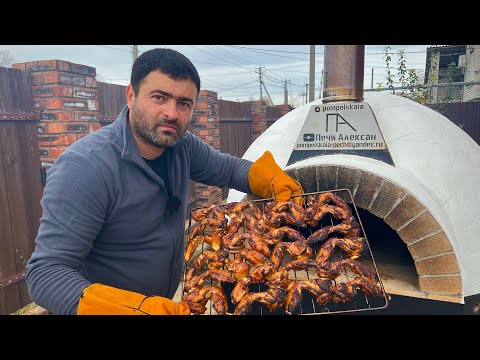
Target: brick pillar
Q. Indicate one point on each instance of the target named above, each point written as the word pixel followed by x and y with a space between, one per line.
pixel 284 109
pixel 65 94
pixel 258 114
pixel 206 125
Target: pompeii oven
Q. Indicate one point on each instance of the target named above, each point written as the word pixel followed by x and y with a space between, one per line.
pixel 413 175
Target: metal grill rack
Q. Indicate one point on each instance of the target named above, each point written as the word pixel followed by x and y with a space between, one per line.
pixel 308 305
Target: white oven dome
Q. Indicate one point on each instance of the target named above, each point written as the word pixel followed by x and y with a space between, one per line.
pixel 434 159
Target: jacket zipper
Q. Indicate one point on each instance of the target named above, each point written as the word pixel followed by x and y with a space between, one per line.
pixel 170 160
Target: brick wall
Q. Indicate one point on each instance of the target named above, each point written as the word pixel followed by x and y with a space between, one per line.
pixel 65 94
pixel 284 109
pixel 258 114
pixel 206 125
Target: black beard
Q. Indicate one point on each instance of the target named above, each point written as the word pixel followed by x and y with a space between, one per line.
pixel 148 135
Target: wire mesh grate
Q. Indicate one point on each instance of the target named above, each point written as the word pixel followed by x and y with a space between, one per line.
pixel 344 281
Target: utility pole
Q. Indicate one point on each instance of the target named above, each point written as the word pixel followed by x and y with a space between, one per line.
pixel 371 86
pixel 261 81
pixel 291 94
pixel 271 101
pixel 285 94
pixel 311 93
pixel 321 86
pixel 306 91
pixel 134 52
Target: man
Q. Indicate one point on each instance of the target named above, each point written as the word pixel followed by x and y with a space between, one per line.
pixel 111 235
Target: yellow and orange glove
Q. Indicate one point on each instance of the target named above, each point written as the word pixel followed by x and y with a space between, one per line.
pixel 99 299
pixel 267 179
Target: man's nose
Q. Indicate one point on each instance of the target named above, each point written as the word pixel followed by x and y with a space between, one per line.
pixel 171 110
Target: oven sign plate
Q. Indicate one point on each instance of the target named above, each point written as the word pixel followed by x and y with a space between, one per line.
pixel 349 128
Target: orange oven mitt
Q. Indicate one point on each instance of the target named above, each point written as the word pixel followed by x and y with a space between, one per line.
pixel 267 179
pixel 99 299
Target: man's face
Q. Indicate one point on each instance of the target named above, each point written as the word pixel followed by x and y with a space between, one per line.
pixel 161 111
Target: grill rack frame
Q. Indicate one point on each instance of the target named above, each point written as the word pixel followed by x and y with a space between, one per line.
pixel 380 302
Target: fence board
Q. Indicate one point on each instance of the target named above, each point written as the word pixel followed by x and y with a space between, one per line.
pixel 20 186
pixel 111 100
pixel 30 187
pixel 233 110
pixel 235 137
pixel 8 256
pixel 5 94
pixel 6 237
pixel 16 91
pixel 28 96
pixel 36 166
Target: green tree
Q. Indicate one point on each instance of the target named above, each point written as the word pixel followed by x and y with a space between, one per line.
pixel 402 67
pixel 408 78
pixel 409 81
pixel 442 106
pixel 432 65
pixel 388 59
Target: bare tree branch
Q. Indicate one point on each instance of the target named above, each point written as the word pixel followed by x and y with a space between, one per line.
pixel 6 59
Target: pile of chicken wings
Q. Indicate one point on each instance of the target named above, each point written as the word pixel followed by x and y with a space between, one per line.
pixel 247 242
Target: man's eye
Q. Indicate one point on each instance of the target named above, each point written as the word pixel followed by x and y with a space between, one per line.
pixel 185 105
pixel 158 97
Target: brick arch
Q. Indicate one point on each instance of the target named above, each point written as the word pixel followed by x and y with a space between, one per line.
pixel 433 255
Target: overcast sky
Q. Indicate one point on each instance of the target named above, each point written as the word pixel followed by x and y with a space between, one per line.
pixel 230 70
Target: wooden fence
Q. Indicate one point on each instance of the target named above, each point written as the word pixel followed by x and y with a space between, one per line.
pixel 111 100
pixel 20 186
pixel 235 129
pixel 467 116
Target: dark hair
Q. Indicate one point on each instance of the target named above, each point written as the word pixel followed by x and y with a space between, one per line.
pixel 167 61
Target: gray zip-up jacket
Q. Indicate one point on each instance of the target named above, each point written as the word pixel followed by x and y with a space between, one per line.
pixel 105 217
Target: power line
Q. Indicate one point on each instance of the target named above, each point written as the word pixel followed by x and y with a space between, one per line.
pixel 235 87
pixel 230 55
pixel 221 56
pixel 273 85
pixel 210 63
pixel 306 53
pixel 224 74
pixel 264 53
pixel 279 80
pixel 281 51
pixel 231 62
pixel 110 47
pixel 276 76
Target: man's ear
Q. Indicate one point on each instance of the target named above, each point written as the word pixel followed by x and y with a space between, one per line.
pixel 130 95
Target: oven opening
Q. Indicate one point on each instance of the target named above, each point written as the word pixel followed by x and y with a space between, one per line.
pixel 394 262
